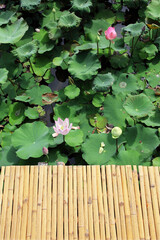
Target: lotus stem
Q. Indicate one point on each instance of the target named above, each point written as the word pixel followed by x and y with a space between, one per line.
pixel 31 66
pixel 116 146
pixel 110 48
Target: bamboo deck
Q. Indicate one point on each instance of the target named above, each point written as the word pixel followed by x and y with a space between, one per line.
pixel 79 202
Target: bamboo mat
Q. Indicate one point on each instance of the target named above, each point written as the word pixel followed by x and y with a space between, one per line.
pixel 79 202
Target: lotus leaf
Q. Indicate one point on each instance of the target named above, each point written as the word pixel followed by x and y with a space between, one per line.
pixel 29 4
pixel 30 138
pixel 82 5
pixel 153 120
pixel 98 121
pixel 3 75
pixel 31 113
pixel 91 149
pixel 69 20
pixel 130 157
pixel 156 161
pixel 103 82
pixel 148 52
pixel 56 156
pixel 114 111
pixel 36 93
pixel 134 29
pixel 8 156
pixel 16 113
pixel 5 17
pixel 143 140
pixel 84 65
pixel 153 10
pixel 74 138
pixel 14 32
pixel 45 44
pixel 26 51
pixel 125 83
pixel 71 91
pixel 119 61
pixel 138 105
pixel 98 100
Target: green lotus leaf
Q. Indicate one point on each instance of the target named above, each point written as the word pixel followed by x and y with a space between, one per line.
pixel 125 83
pixel 6 16
pixel 14 32
pixel 71 91
pixel 31 113
pixel 26 51
pixel 156 161
pixel 16 113
pixel 148 52
pixel 130 157
pixel 81 5
pixel 56 156
pixel 8 156
pixel 26 80
pixel 84 65
pixel 92 153
pixel 114 111
pixel 4 108
pixel 40 65
pixel 138 105
pixel 29 4
pixel 153 120
pixel 103 82
pixel 3 75
pixel 5 138
pixel 30 139
pixel 142 139
pixel 98 100
pixel 7 60
pixel 57 61
pixel 106 14
pixel 45 44
pixel 91 29
pixel 69 20
pixel 74 138
pixel 98 121
pixel 36 93
pixel 119 61
pixel 134 29
pixel 153 10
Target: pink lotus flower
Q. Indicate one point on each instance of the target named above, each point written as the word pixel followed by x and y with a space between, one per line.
pixel 62 127
pixel 110 33
pixel 45 150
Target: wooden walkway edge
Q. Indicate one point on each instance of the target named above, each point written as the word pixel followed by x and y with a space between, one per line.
pixel 79 202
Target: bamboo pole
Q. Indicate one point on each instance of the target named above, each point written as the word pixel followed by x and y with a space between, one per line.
pixel 90 203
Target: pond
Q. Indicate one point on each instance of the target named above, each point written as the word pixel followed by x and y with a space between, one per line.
pixel 80 82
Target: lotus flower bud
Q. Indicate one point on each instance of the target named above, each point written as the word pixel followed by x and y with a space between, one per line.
pixel 2 6
pixel 45 151
pixel 116 132
pixel 37 30
pixel 110 33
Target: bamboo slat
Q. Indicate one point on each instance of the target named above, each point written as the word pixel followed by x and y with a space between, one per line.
pixel 79 202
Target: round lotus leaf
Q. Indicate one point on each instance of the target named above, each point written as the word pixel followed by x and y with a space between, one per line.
pixel 98 100
pixel 138 105
pixel 26 51
pixel 8 156
pixel 3 75
pixel 16 113
pixel 134 29
pixel 84 65
pixel 74 138
pixel 98 121
pixel 153 10
pixel 130 157
pixel 82 5
pixel 103 82
pixel 30 138
pixel 71 91
pixel 148 52
pixel 114 111
pixel 119 61
pixel 142 139
pixel 57 61
pixel 29 4
pixel 94 153
pixel 14 32
pixel 6 16
pixel 153 120
pixel 31 113
pixel 4 108
pixel 125 83
pixel 69 20
pixel 44 43
pixel 36 93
